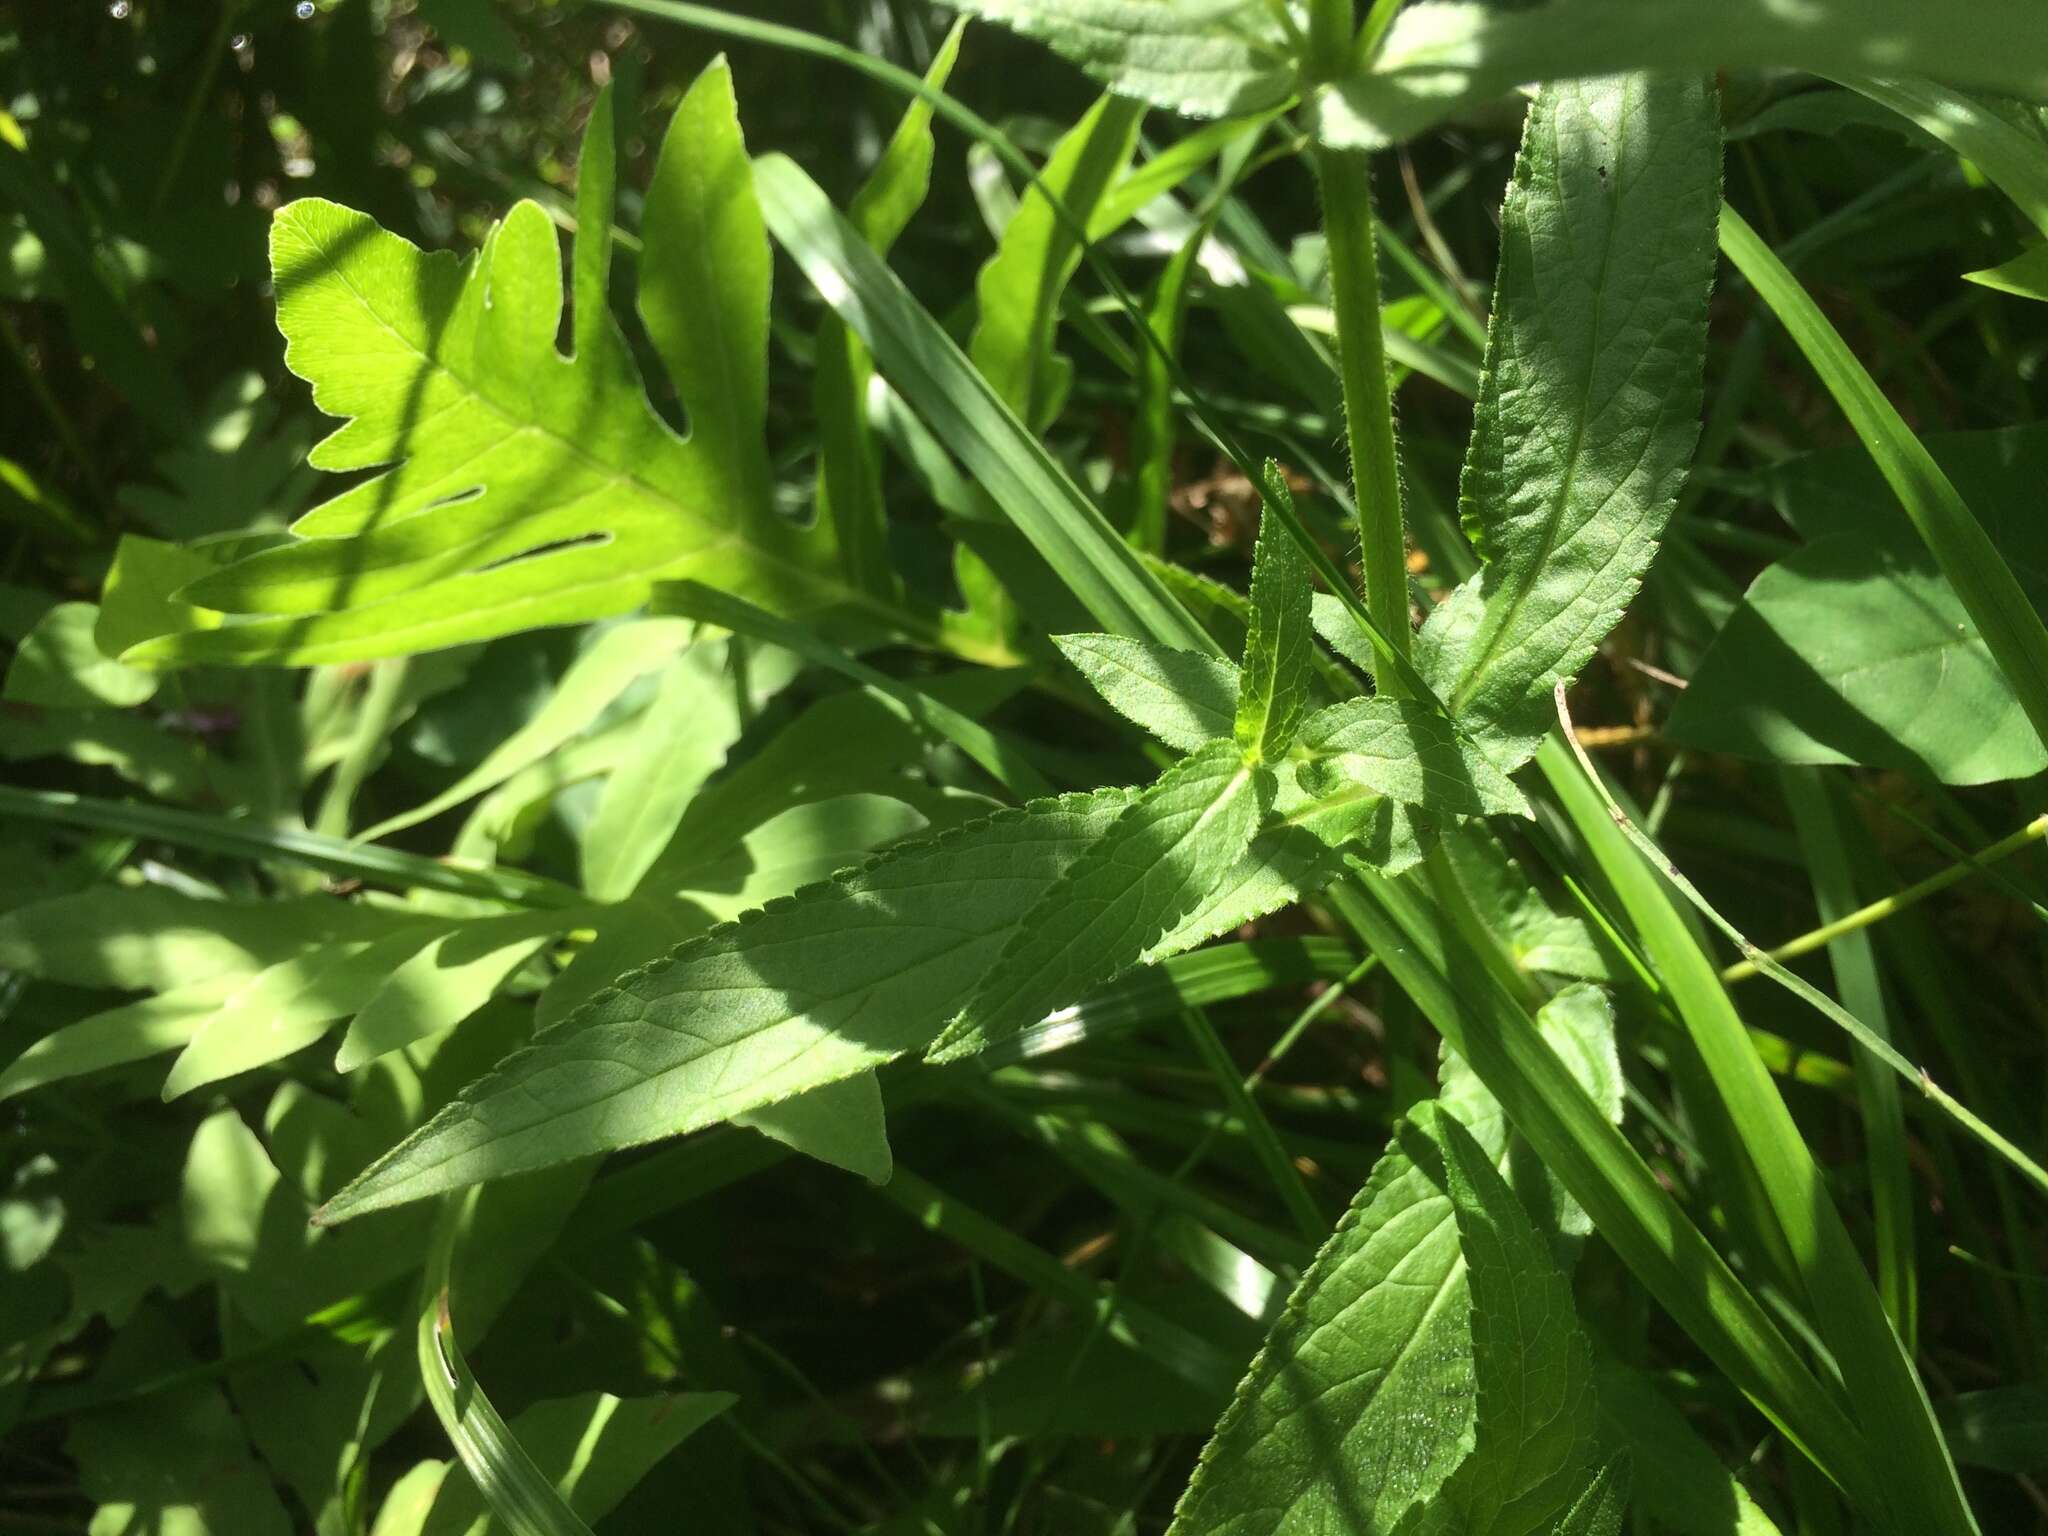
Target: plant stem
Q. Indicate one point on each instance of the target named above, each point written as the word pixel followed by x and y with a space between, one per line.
pixel 372 734
pixel 1898 901
pixel 1368 405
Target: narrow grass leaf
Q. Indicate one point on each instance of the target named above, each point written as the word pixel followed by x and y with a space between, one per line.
pixel 945 389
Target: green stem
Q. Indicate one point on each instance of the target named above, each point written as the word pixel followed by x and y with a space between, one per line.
pixel 1877 911
pixel 1368 405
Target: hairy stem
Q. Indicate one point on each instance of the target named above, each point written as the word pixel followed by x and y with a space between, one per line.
pixel 1368 406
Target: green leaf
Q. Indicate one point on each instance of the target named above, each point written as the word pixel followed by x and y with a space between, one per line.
pixel 1202 58
pixel 1589 406
pixel 58 665
pixel 800 993
pixel 288 1007
pixel 614 660
pixel 525 488
pixel 592 1448
pixel 1679 1483
pixel 849 469
pixel 164 1021
pixel 2003 1428
pixel 1441 58
pixel 680 742
pixel 441 984
pixel 1535 1451
pixel 1273 684
pixel 1359 1405
pixel 1997 604
pixel 838 1123
pixel 1185 699
pixel 1155 866
pixel 1018 291
pixel 1842 653
pixel 1407 752
pixel 2012 157
pixel 2026 274
pixel 938 382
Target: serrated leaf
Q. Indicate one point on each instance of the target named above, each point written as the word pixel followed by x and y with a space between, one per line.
pixel 1203 58
pixel 1589 406
pixel 1185 699
pixel 1152 868
pixel 837 979
pixel 1679 1483
pixel 1360 1403
pixel 1536 1465
pixel 1844 653
pixel 1404 751
pixel 1272 691
pixel 524 488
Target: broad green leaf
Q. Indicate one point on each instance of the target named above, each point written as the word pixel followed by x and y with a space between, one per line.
pixel 797 848
pixel 1147 873
pixel 614 660
pixel 138 599
pixel 58 665
pixel 287 1007
pixel 2026 274
pixel 441 984
pixel 1843 653
pixel 1203 58
pixel 1340 631
pixel 1018 291
pixel 1590 402
pixel 1360 1403
pixel 849 469
pixel 524 488
pixel 1535 1447
pixel 1441 58
pixel 1679 1483
pixel 797 994
pixel 1185 699
pixel 1406 752
pixel 1272 691
pixel 998 451
pixel 680 742
pixel 1998 605
pixel 1536 936
pixel 838 1123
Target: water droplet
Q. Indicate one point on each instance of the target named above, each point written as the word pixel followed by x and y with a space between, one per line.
pixel 119 9
pixel 239 42
pixel 304 10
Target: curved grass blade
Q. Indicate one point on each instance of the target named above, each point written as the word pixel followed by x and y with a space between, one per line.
pixel 943 387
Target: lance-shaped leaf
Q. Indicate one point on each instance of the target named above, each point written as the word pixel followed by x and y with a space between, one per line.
pixel 524 488
pixel 1589 406
pixel 1156 865
pixel 1406 752
pixel 1536 1461
pixel 1273 683
pixel 839 978
pixel 1204 58
pixel 1184 698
